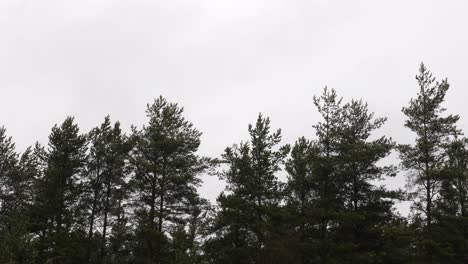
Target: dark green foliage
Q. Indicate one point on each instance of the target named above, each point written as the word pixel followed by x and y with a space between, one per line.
pixel 17 175
pixel 104 197
pixel 367 208
pixel 120 240
pixel 58 212
pixel 166 176
pixel 334 204
pixel 187 238
pixel 106 185
pixel 426 158
pixel 244 226
pixel 8 178
pixel 450 209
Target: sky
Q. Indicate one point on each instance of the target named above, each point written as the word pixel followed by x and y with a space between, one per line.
pixel 224 62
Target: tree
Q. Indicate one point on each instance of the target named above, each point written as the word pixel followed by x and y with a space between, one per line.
pixel 300 197
pixel 106 183
pixel 367 207
pixel 252 198
pixel 58 208
pixel 425 159
pixel 166 170
pixel 8 168
pixel 17 175
pixel 337 210
pixel 328 187
pixel 451 208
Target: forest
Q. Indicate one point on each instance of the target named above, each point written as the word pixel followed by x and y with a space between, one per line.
pixel 109 196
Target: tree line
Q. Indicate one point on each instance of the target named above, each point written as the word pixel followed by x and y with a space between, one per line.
pixel 109 197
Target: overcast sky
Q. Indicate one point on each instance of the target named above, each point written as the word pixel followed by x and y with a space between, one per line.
pixel 224 61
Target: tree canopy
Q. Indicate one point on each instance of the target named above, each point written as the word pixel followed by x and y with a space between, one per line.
pixel 117 195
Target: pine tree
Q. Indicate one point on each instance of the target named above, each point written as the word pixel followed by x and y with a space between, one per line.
pixel 367 207
pixel 300 197
pixel 252 198
pixel 314 190
pixel 451 208
pixel 8 169
pixel 425 159
pixel 58 208
pixel 165 179
pixel 328 187
pixel 233 238
pixel 106 172
pixel 16 181
pixel 300 178
pixel 335 206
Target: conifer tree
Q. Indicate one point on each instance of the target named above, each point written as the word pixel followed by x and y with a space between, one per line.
pixel 299 189
pixel 425 159
pixel 17 175
pixel 244 225
pixel 8 168
pixel 451 208
pixel 166 176
pixel 18 243
pixel 331 192
pixel 59 212
pixel 314 190
pixel 367 207
pixel 328 187
pixel 106 172
pixel 301 196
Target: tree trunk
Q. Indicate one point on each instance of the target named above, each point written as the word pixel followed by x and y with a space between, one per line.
pixel 104 228
pixel 93 213
pixel 161 200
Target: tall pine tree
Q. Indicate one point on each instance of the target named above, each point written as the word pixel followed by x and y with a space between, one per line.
pixel 106 183
pixel 367 207
pixel 451 209
pixel 248 207
pixel 17 176
pixel 425 159
pixel 59 213
pixel 338 211
pixel 166 176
